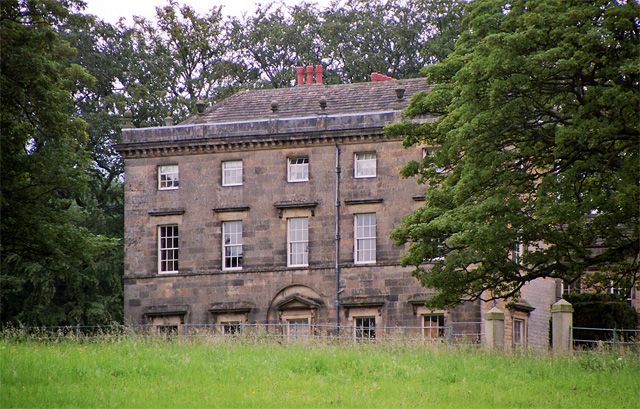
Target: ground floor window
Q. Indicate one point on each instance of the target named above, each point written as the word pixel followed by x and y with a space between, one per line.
pixel 166 324
pixel 231 328
pixel 298 328
pixel 433 326
pixel 168 329
pixel 365 328
pixel 519 330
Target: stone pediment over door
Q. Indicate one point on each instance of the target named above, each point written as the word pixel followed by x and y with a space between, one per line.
pixel 297 302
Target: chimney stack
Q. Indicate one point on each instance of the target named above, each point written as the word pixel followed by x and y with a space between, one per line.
pixel 376 76
pixel 309 70
pixel 299 76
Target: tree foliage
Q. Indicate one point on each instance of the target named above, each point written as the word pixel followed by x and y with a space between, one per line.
pixel 68 78
pixel 49 270
pixel 394 37
pixel 537 169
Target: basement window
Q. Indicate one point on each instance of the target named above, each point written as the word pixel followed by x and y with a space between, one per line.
pixel 231 328
pixel 365 328
pixel 433 326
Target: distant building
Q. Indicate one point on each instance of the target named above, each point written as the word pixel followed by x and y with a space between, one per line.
pixel 273 204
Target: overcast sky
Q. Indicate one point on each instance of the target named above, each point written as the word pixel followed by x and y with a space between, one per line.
pixel 111 10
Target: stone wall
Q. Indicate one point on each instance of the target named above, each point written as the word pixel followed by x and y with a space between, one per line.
pixel 201 282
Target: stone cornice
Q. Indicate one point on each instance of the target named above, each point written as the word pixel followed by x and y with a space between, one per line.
pixel 200 146
pixel 258 134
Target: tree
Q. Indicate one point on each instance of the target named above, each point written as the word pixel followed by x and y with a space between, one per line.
pixel 395 37
pixel 275 39
pixel 537 169
pixel 180 58
pixel 47 257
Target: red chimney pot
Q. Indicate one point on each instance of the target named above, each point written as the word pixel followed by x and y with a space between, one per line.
pixel 319 74
pixel 299 76
pixel 309 74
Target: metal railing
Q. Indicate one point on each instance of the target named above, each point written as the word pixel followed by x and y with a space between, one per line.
pixel 455 333
pixel 605 338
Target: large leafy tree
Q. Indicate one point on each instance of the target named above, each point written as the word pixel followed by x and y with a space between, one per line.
pixel 537 171
pixel 49 273
pixel 178 59
pixel 275 39
pixel 395 37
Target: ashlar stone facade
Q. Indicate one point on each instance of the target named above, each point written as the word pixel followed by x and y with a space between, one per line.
pixel 276 207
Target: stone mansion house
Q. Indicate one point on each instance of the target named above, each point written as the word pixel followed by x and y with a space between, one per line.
pixel 275 206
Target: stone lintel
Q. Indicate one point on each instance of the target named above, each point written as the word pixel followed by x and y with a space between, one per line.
pixel 160 310
pixel 231 307
pixel 167 212
pixel 362 201
pixel 521 305
pixel 231 209
pixel 281 206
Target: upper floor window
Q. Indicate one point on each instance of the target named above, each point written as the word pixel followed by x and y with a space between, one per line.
pixel 298 169
pixel 168 177
pixel 232 245
pixel 298 242
pixel 365 165
pixel 430 152
pixel 168 248
pixel 232 173
pixel 568 288
pixel 365 238
pixel 517 251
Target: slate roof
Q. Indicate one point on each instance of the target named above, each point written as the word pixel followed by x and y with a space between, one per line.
pixel 302 101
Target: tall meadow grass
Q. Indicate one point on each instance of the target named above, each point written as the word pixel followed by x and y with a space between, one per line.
pixel 130 371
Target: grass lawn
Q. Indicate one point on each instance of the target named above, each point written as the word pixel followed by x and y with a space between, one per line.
pixel 143 373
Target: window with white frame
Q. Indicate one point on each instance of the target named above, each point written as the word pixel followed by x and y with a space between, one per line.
pixel 433 326
pixel 365 328
pixel 365 238
pixel 232 245
pixel 168 248
pixel 168 177
pixel 616 289
pixel 567 288
pixel 298 169
pixel 519 335
pixel 232 173
pixel 365 165
pixel 298 242
pixel 231 327
pixel 167 325
pixel 298 328
pixel 517 251
pixel 431 151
